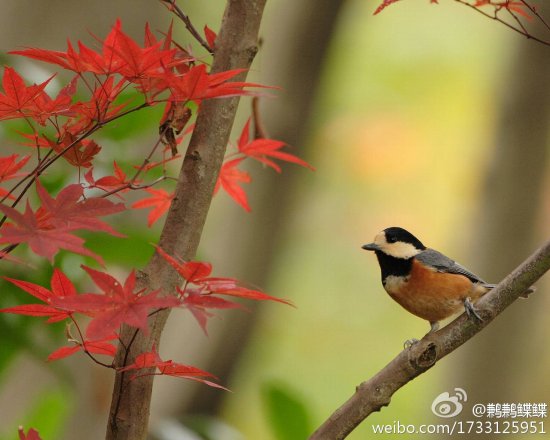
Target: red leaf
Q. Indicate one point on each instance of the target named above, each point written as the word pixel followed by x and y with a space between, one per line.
pixel 383 6
pixel 231 287
pixel 229 179
pixel 18 99
pixel 200 298
pixel 160 201
pixel 210 37
pixel 31 434
pixel 61 286
pixel 118 181
pixel 196 84
pixel 42 239
pixel 9 166
pixel 119 304
pixel 134 62
pixel 263 150
pixel 96 347
pixel 169 368
pixel 191 271
pixel 72 212
pixel 198 304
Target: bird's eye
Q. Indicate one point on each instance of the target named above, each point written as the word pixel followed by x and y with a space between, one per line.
pixel 391 239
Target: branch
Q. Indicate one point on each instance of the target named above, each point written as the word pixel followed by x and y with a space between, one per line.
pixel 375 393
pixel 173 7
pixel 236 46
pixel 520 28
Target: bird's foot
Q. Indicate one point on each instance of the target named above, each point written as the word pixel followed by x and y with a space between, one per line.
pixel 471 311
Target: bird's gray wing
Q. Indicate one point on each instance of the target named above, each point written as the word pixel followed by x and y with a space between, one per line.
pixel 441 263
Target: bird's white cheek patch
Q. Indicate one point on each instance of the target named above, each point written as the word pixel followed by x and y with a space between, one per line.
pixel 401 250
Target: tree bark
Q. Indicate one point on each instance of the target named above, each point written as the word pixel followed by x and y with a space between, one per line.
pixel 236 46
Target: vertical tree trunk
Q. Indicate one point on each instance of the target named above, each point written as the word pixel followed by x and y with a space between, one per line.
pixel 236 46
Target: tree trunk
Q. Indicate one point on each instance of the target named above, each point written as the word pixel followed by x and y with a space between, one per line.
pixel 236 46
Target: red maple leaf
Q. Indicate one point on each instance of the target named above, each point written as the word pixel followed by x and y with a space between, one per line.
pixel 109 183
pixel 61 286
pixel 98 108
pixel 197 294
pixel 229 179
pixel 101 346
pixel 169 368
pixel 134 62
pixel 199 304
pixel 118 304
pixel 44 106
pixel 42 239
pixel 263 150
pixel 160 200
pixel 31 434
pixel 120 54
pixel 77 152
pixel 196 84
pixel 69 210
pixel 8 170
pixel 18 99
pixel 9 166
pixel 210 37
pixel 49 228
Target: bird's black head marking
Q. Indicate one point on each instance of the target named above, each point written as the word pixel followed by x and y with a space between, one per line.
pixel 396 234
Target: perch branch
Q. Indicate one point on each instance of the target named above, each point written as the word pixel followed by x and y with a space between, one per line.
pixel 373 394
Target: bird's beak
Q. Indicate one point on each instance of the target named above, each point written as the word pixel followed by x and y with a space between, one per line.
pixel 371 247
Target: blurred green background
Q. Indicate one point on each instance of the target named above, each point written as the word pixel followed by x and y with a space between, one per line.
pixel 429 117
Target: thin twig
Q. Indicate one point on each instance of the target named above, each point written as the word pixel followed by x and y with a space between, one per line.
pixel 174 8
pixel 505 23
pixel 536 14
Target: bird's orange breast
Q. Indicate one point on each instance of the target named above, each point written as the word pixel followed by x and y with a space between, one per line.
pixel 432 295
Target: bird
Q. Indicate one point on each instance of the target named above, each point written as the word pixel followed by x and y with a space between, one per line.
pixel 425 282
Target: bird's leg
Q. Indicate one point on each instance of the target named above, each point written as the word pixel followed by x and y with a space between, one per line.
pixel 471 311
pixel 434 326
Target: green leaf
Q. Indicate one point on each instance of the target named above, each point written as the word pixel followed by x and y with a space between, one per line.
pixel 287 414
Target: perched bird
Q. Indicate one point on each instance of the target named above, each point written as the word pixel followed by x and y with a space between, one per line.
pixel 424 281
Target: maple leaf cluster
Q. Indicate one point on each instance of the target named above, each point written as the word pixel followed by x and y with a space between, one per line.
pixel 123 303
pixel 50 227
pixel 262 150
pixel 60 131
pixel 160 70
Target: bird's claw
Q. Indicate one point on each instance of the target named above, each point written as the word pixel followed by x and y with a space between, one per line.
pixel 471 311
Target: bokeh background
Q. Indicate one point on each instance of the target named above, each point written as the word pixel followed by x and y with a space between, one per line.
pixel 429 117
